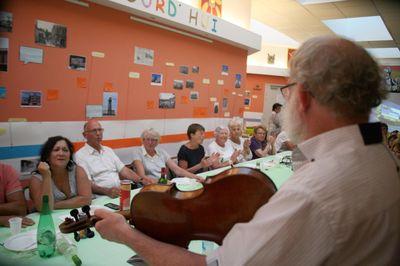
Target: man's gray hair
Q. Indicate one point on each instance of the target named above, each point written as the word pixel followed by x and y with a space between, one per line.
pixel 218 129
pixel 150 132
pixel 339 74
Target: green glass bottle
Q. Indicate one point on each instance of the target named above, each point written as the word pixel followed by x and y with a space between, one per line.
pixel 46 234
pixel 163 178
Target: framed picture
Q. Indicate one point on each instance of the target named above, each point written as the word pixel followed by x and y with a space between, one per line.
pixel 50 34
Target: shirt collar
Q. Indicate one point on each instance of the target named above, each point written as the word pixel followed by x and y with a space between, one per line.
pixel 144 152
pixel 92 150
pixel 348 137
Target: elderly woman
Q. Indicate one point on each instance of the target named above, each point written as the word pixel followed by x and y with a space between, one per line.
pixel 191 155
pixel 260 145
pixel 149 159
pixel 236 140
pixel 227 154
pixel 57 176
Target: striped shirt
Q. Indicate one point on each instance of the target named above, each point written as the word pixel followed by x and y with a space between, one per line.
pixel 340 207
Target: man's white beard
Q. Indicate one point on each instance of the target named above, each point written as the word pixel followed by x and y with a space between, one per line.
pixel 292 124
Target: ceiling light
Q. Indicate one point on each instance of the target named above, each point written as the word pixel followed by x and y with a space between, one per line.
pixel 360 29
pixel 392 52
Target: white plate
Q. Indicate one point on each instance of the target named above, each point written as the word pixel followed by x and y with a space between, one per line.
pixel 24 241
pixel 186 184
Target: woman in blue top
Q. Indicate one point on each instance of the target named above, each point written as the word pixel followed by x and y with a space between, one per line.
pixel 260 146
pixel 57 176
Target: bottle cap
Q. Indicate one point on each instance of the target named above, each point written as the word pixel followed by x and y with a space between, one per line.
pixel 77 260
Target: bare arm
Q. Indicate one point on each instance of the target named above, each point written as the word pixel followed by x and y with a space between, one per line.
pixel 180 171
pixel 39 188
pixel 290 145
pixel 84 192
pixel 127 173
pixel 15 204
pixel 184 165
pixel 114 228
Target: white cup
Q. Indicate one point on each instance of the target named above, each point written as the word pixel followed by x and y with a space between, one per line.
pixel 15 225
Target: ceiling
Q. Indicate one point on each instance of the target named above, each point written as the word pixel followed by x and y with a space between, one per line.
pixel 300 22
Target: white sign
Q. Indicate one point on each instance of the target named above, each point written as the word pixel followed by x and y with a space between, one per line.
pixel 28 54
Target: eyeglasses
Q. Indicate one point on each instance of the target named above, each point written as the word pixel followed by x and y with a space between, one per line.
pixel 285 90
pixel 150 140
pixel 95 130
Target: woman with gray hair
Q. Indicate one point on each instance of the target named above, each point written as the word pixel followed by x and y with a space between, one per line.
pixel 149 159
pixel 227 153
pixel 237 141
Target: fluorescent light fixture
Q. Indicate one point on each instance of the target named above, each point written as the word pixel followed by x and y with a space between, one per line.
pixel 154 24
pixel 310 2
pixel 77 2
pixel 392 52
pixel 360 29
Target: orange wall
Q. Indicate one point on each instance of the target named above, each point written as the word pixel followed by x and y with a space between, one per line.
pixel 111 32
pixel 252 80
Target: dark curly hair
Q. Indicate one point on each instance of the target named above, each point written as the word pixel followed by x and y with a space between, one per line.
pixel 48 147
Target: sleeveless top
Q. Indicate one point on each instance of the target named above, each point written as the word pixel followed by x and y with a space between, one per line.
pixel 58 194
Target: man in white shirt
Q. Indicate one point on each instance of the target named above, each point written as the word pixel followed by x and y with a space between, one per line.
pixel 342 204
pixel 283 143
pixel 101 164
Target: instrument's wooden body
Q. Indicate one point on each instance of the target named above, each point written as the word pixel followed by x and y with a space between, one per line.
pixel 169 215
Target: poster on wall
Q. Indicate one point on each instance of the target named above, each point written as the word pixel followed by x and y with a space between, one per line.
pixel 216 108
pixel 184 70
pixel 247 102
pixel 31 99
pixel 110 103
pixel 195 69
pixel 3 54
pixel 156 79
pixel 166 100
pixel 271 58
pixel 94 111
pixel 30 55
pixel 225 70
pixel 224 103
pixel 178 84
pixel 392 78
pixel 194 95
pixel 144 56
pixel 3 92
pixel 213 7
pixel 50 34
pixel 238 81
pixel 190 84
pixel 6 21
pixel 77 62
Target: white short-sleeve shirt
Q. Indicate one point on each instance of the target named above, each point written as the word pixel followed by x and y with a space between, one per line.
pixel 236 146
pixel 340 207
pixel 225 153
pixel 280 140
pixel 101 167
pixel 152 164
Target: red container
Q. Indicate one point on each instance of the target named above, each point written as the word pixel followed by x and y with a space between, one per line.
pixel 125 195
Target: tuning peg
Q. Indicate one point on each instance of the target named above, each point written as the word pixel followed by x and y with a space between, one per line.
pixel 86 210
pixel 76 236
pixel 74 213
pixel 89 233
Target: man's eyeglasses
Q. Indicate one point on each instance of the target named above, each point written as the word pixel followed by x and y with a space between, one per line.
pixel 95 130
pixel 285 90
pixel 150 140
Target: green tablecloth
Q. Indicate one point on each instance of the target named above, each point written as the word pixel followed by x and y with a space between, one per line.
pixel 97 251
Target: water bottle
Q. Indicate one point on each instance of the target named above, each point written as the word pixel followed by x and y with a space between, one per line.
pixel 68 249
pixel 46 234
pixel 207 247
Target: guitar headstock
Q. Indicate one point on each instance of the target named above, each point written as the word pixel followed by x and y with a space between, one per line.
pixel 81 222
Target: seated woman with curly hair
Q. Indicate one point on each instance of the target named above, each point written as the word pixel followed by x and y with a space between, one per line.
pixel 57 176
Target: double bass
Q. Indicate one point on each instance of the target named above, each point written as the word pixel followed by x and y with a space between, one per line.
pixel 167 214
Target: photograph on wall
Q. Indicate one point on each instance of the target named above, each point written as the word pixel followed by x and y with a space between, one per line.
pixel 195 69
pixel 77 62
pixel 224 103
pixel 178 84
pixel 225 70
pixel 28 166
pixel 156 79
pixel 3 92
pixel 50 34
pixel 391 78
pixel 144 56
pixel 110 103
pixel 31 98
pixel 184 70
pixel 271 58
pixel 6 21
pixel 166 100
pixel 94 111
pixel 3 54
pixel 238 81
pixel 216 107
pixel 189 84
pixel 194 95
pixel 247 102
pixel 30 55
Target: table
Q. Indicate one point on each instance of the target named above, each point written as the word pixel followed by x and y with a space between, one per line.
pixel 97 251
